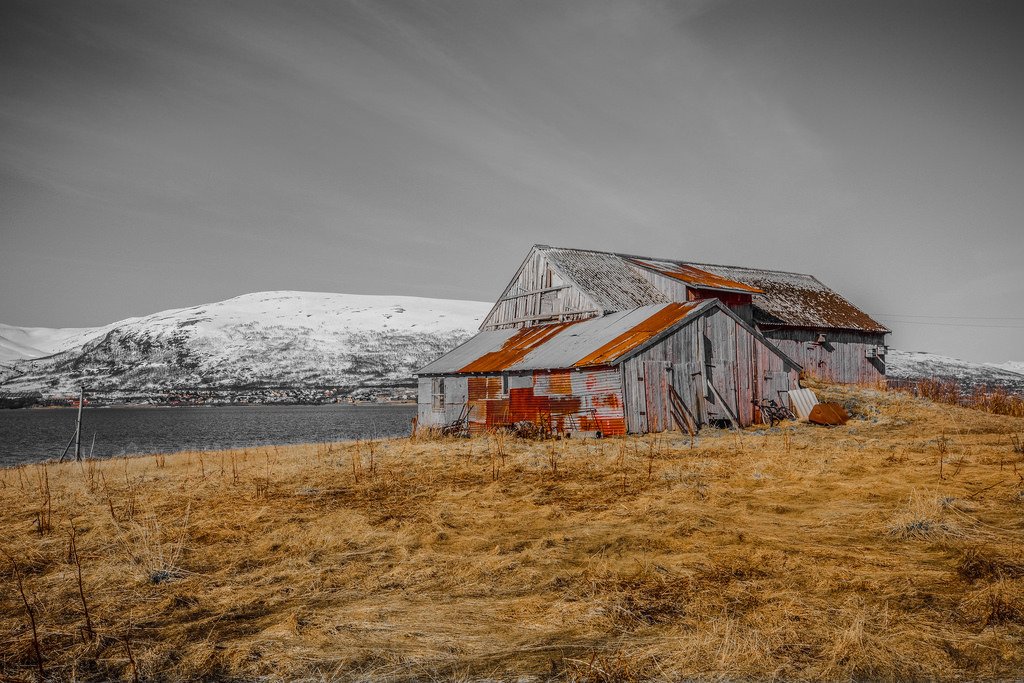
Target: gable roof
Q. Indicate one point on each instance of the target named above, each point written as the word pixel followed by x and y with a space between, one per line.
pixel 605 277
pixel 781 299
pixel 798 300
pixel 605 340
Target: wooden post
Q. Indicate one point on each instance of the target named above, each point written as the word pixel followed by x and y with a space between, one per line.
pixel 78 424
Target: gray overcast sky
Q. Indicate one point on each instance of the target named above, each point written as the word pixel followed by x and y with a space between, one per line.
pixel 164 154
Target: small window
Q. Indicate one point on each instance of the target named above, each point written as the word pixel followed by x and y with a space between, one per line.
pixel 504 384
pixel 437 394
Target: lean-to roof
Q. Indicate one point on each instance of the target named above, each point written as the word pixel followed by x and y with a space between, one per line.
pixel 597 341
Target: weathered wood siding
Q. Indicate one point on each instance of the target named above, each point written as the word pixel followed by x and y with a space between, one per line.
pixel 843 358
pixel 424 414
pixel 455 391
pixel 715 364
pixel 538 295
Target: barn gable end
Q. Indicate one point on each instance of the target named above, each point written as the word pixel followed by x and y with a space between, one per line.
pixel 539 293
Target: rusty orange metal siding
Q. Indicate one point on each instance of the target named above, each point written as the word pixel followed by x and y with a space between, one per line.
pixel 730 299
pixel 565 401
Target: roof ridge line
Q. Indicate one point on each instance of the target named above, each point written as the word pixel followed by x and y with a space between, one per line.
pixel 670 260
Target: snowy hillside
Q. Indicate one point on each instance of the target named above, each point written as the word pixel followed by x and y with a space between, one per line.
pixel 1011 365
pixel 261 339
pixel 17 343
pixel 303 339
pixel 915 365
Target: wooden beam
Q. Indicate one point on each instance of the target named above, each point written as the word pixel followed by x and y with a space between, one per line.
pixel 680 412
pixel 78 424
pixel 546 316
pixel 728 410
pixel 510 297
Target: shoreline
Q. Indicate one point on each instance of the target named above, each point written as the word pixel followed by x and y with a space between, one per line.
pixel 213 405
pixel 204 452
pixel 36 436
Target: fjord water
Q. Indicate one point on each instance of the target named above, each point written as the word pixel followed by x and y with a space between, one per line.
pixel 32 435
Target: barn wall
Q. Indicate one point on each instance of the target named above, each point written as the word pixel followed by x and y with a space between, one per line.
pixel 538 295
pixel 455 390
pixel 739 365
pixel 566 401
pixel 842 359
pixel 563 400
pixel 425 416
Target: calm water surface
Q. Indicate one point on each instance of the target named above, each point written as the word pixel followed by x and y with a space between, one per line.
pixel 37 434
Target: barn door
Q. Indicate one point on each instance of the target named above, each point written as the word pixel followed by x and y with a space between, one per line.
pixel 720 375
pixel 776 387
pixel 697 391
pixel 657 379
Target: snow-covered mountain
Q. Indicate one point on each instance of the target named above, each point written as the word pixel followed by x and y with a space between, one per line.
pixel 916 365
pixel 19 343
pixel 304 339
pixel 264 339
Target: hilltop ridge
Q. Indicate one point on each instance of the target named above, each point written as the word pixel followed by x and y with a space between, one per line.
pixel 264 338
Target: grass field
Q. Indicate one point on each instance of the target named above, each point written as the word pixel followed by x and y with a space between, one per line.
pixel 891 548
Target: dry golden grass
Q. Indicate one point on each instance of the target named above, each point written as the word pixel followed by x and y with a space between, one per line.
pixel 793 553
pixel 995 400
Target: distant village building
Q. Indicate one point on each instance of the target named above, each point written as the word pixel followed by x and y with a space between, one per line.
pixel 587 341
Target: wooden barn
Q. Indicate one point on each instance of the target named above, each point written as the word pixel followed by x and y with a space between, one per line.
pixel 812 324
pixel 646 368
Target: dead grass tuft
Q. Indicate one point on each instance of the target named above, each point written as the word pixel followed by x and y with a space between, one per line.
pixel 925 517
pixel 981 563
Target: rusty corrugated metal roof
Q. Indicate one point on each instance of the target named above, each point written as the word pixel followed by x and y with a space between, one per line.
pixel 798 300
pixel 515 348
pixel 597 341
pixel 695 276
pixel 473 348
pixel 635 336
pixel 785 299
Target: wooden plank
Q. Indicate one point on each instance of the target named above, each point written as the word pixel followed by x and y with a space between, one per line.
pixel 655 391
pixel 533 292
pixel 682 414
pixel 549 316
pixel 728 410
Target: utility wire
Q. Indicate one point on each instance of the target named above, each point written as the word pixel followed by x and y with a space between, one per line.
pixel 922 322
pixel 949 317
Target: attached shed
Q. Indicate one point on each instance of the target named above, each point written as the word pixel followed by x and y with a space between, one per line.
pixel 618 373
